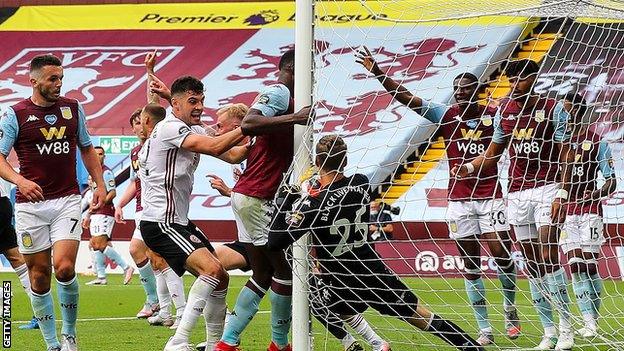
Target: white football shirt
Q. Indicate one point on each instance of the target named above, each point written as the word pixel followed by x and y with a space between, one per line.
pixel 167 172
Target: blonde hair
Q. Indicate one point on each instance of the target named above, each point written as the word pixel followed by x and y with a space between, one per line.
pixel 237 111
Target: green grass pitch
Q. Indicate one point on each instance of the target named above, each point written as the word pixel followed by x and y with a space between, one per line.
pixel 106 323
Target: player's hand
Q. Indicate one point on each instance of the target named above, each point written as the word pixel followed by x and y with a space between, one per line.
pixel 159 88
pixel 558 212
pixel 150 61
pixel 119 215
pixel 31 190
pixel 459 171
pixel 98 198
pixel 218 184
pixel 588 196
pixel 365 58
pixel 86 222
pixel 303 115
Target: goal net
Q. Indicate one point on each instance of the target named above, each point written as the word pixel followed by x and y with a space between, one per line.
pixel 424 45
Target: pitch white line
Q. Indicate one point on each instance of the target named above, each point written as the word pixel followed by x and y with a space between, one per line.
pixel 109 319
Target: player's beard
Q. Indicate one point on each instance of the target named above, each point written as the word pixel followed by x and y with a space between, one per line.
pixel 49 95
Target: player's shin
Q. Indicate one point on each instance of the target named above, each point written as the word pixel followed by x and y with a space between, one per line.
pixel 198 295
pixel 542 305
pixel 214 316
pixel 449 332
pixel 558 287
pixel 22 274
pixel 111 253
pixel 175 285
pixel 595 291
pixel 246 306
pixel 507 277
pixel 43 309
pixel 68 299
pixel 164 299
pixel 148 281
pixel 361 326
pixel 100 264
pixel 280 295
pixel 581 285
pixel 475 290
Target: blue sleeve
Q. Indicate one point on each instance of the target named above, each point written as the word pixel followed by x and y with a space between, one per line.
pixel 499 135
pixel 273 101
pixel 84 139
pixel 605 160
pixel 8 131
pixel 560 123
pixel 433 111
pixel 109 180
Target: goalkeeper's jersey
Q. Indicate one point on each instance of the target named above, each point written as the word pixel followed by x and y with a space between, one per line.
pixel 337 216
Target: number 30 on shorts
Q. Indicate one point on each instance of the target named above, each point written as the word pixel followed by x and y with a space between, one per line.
pixel 498 217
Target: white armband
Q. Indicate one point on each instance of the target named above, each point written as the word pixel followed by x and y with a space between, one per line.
pixel 470 168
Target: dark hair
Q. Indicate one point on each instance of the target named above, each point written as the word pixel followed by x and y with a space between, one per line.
pixel 331 153
pixel 99 147
pixel 41 61
pixel 467 75
pixel 187 83
pixel 287 58
pixel 577 101
pixel 521 68
pixel 156 112
pixel 136 114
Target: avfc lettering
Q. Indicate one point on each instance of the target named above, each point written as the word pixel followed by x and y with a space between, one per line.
pixel 53 143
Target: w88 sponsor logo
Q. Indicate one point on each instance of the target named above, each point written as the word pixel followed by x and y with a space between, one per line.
pixel 58 146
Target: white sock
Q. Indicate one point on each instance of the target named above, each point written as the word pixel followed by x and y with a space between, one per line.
pixel 22 274
pixel 198 295
pixel 176 290
pixel 164 300
pixel 361 326
pixel 347 341
pixel 214 316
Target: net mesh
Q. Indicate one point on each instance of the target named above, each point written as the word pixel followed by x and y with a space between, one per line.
pixel 424 45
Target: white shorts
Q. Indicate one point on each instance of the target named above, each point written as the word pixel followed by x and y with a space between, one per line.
pixel 40 225
pixel 253 218
pixel 137 229
pixel 582 232
pixel 101 225
pixel 530 210
pixel 469 218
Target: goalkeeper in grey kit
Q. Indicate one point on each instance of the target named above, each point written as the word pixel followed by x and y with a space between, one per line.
pixel 353 274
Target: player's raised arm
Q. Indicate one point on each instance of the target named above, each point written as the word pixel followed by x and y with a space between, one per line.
pixel 235 155
pixel 150 62
pixel 256 122
pixel 213 146
pixel 400 93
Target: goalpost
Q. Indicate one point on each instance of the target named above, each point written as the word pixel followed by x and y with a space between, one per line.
pixel 424 45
